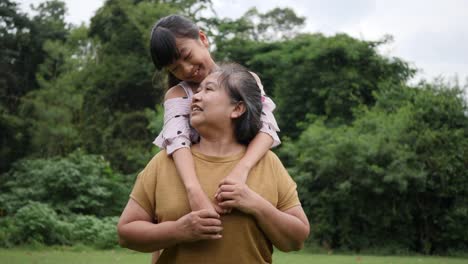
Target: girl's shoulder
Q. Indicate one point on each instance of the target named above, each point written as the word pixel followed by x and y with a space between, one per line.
pixel 175 92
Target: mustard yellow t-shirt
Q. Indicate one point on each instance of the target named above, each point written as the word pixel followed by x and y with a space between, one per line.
pixel 160 191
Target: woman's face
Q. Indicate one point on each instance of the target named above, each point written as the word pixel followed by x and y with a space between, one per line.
pixel 211 104
pixel 195 62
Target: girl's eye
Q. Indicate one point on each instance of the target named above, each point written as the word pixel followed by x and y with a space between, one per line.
pixel 188 56
pixel 173 68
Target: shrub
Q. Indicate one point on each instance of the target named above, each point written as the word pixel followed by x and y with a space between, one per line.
pixel 8 231
pixel 78 183
pixel 89 230
pixel 40 223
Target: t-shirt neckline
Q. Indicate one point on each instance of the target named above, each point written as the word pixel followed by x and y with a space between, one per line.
pixel 235 157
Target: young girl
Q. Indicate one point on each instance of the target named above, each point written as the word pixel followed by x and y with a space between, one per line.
pixel 180 47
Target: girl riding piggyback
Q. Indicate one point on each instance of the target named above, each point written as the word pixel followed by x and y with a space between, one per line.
pixel 180 47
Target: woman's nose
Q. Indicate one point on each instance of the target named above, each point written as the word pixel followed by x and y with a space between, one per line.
pixel 196 96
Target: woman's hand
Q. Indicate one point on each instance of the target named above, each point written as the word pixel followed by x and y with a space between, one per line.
pixel 198 225
pixel 233 194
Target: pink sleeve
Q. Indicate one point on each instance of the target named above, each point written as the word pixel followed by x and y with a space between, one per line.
pixel 269 124
pixel 176 132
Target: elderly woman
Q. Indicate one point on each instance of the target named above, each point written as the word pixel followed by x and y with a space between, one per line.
pixel 265 211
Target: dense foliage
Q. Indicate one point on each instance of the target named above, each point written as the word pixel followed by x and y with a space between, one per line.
pixel 380 163
pixel 397 172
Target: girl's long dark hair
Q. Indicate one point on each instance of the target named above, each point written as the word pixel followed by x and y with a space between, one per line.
pixel 163 41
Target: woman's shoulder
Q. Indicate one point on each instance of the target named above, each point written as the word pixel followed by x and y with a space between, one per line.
pixel 158 158
pixel 271 157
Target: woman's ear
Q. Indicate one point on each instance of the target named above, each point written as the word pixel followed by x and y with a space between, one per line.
pixel 203 38
pixel 238 110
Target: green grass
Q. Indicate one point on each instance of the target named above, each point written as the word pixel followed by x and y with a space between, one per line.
pixel 90 256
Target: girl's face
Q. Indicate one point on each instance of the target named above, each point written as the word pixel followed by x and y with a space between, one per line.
pixel 195 62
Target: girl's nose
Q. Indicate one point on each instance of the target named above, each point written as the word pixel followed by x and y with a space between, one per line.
pixel 187 67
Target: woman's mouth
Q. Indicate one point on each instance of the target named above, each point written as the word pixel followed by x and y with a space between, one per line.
pixel 196 108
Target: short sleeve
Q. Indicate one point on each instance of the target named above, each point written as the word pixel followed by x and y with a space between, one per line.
pixel 269 125
pixel 177 132
pixel 145 187
pixel 287 187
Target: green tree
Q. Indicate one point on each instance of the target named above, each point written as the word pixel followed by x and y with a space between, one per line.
pixel 14 28
pixel 325 76
pixel 398 171
pixel 307 74
pixel 233 38
pixel 54 112
pixel 21 52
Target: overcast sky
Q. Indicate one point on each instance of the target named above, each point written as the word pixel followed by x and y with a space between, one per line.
pixel 432 35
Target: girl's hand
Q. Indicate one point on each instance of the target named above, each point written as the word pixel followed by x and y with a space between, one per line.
pixel 232 194
pixel 238 174
pixel 198 225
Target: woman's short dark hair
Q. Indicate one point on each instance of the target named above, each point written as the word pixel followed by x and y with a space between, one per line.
pixel 163 47
pixel 241 86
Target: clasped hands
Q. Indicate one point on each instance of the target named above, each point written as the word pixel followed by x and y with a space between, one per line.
pixel 206 224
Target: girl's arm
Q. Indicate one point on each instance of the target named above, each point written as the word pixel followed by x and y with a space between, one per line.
pixel 175 138
pixel 185 165
pixel 255 151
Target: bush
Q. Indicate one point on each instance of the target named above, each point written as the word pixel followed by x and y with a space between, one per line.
pixel 37 222
pixel 8 231
pixel 90 230
pixel 108 237
pixel 78 183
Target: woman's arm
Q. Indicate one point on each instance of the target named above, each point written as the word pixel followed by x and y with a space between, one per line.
pixel 137 232
pixel 287 230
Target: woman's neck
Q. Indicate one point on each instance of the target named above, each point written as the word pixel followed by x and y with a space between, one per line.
pixel 218 145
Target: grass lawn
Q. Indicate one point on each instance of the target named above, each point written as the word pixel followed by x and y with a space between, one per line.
pixel 90 256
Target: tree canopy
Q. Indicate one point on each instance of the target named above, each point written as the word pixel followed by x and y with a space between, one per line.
pixel 379 162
